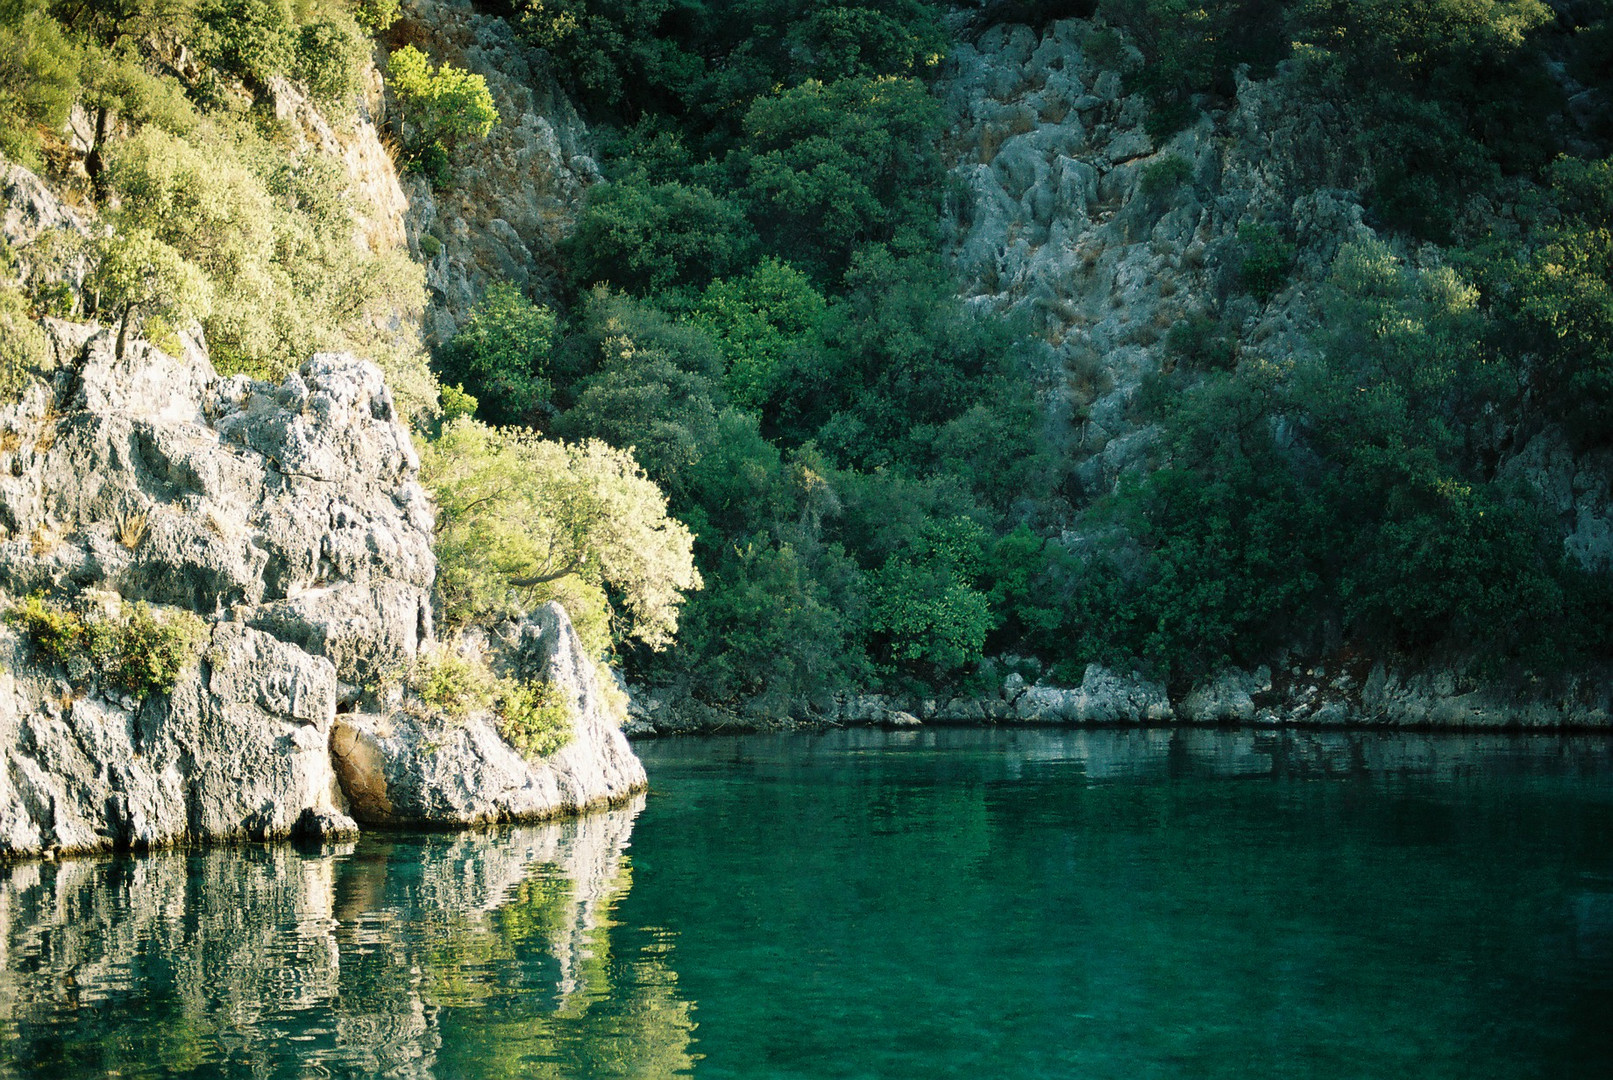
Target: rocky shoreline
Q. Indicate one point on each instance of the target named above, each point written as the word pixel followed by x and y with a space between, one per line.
pixel 1348 695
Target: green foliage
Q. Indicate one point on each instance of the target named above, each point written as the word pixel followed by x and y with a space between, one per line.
pixel 254 40
pixel 896 359
pixel 598 43
pixel 1161 178
pixel 831 167
pixel 38 78
pixel 1266 258
pixel 777 622
pixel 1383 523
pixel 1556 298
pixel 535 718
pixel 115 22
pixel 137 276
pixel 440 107
pixel 500 355
pixel 270 233
pixel 331 56
pixel 632 57
pixel 376 16
pixel 757 320
pixel 57 632
pixel 646 397
pixel 518 514
pixel 1193 47
pixel 137 653
pixel 643 237
pixel 775 339
pixel 1203 342
pixel 24 349
pixel 144 656
pixel 119 86
pixel 925 616
pixel 453 685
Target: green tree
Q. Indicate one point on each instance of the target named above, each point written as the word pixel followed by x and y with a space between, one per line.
pixel 332 54
pixel 138 276
pixel 501 355
pixel 253 39
pixel 757 319
pixel 1555 298
pixel 517 513
pixel 440 107
pixel 830 167
pixel 646 238
pixel 38 78
pixel 120 89
pixel 924 614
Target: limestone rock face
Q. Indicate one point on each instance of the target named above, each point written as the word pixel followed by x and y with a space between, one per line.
pixel 1228 698
pixel 1057 219
pixel 148 479
pixel 407 768
pixel 1104 697
pixel 379 203
pixel 515 193
pixel 290 519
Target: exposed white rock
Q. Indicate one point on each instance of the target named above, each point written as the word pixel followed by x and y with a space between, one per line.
pixel 404 767
pixel 1227 698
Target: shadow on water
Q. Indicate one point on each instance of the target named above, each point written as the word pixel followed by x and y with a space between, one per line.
pixel 485 954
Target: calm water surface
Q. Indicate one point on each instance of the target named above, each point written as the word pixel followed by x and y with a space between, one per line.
pixel 1017 904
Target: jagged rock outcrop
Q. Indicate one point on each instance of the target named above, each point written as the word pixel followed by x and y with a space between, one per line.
pixel 288 519
pixel 146 478
pixel 404 768
pixel 1070 214
pixel 515 193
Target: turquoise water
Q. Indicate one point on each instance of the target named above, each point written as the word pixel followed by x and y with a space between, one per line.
pixel 958 903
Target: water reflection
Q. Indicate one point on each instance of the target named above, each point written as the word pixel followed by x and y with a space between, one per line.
pixel 485 954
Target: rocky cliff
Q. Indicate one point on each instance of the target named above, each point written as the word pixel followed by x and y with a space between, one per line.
pixel 516 193
pixel 286 524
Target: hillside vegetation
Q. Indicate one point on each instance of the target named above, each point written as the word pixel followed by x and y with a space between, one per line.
pixel 756 308
pixel 203 144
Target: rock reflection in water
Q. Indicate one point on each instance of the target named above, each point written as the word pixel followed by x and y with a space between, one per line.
pixel 485 954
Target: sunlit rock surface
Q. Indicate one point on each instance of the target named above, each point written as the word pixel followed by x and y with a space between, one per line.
pixel 289 518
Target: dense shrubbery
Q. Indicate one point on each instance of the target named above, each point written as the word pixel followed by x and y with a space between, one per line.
pixel 754 318
pixel 1448 97
pixel 216 219
pixel 756 314
pixel 1385 526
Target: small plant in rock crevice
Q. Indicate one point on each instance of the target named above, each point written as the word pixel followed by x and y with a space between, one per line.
pixel 137 653
pixel 534 717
